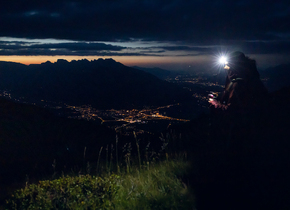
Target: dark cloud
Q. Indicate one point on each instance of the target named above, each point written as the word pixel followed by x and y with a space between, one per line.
pixel 101 49
pixel 79 48
pixel 180 48
pixel 187 48
pixel 41 52
pixel 253 26
pixel 267 47
pixel 144 19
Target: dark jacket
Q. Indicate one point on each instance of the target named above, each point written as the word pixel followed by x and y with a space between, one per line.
pixel 244 92
pixel 240 109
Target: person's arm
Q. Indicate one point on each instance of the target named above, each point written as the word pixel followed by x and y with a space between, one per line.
pixel 217 105
pixel 233 100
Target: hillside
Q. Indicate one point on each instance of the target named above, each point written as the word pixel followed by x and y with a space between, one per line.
pixel 31 138
pixel 276 77
pixel 158 72
pixel 102 83
pixel 253 174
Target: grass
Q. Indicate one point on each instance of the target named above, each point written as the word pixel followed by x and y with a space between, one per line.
pixel 156 188
pixel 126 183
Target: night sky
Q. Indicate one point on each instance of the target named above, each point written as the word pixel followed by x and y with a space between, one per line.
pixel 171 34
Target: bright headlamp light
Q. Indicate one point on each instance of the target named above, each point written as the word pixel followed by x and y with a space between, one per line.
pixel 223 60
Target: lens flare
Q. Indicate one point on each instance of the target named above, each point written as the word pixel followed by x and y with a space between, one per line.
pixel 223 60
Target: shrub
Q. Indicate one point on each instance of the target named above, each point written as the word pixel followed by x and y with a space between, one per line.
pixel 81 192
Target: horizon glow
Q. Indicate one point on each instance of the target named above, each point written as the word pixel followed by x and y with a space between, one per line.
pixel 152 54
pixel 167 62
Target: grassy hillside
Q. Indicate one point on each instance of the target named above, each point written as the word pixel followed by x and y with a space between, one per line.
pixel 156 187
pixel 195 165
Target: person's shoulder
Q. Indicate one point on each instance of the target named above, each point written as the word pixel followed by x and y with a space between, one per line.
pixel 238 85
pixel 238 82
pixel 238 79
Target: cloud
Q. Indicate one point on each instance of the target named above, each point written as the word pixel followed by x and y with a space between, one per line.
pixel 176 27
pixel 77 48
pixel 39 52
pixel 37 47
pixel 172 20
pixel 267 47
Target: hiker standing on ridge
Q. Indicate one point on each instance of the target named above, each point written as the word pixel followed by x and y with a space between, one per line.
pixel 239 108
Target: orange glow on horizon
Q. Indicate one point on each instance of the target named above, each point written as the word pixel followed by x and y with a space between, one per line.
pixel 153 61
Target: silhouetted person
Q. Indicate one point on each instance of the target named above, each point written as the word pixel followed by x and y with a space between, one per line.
pixel 240 108
pixel 245 165
pixel 237 117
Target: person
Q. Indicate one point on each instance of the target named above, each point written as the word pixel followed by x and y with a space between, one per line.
pixel 238 110
pixel 253 162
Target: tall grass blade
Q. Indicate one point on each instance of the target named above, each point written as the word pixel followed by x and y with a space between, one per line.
pixel 99 159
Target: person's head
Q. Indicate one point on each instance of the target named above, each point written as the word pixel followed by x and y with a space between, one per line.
pixel 241 65
pixel 235 61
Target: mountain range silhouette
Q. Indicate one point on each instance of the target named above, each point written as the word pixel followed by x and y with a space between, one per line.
pixel 158 72
pixel 102 83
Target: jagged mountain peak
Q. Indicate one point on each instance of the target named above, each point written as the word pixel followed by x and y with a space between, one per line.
pixel 102 83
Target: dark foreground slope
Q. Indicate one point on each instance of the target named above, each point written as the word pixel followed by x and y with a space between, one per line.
pixel 102 83
pixel 32 140
pixel 246 171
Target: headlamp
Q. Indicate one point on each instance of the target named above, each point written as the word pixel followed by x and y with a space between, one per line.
pixel 231 60
pixel 223 60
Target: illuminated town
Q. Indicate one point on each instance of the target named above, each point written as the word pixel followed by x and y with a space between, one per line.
pixel 138 120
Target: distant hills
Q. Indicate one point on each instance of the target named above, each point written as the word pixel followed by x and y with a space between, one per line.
pixel 158 72
pixel 276 77
pixel 102 83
